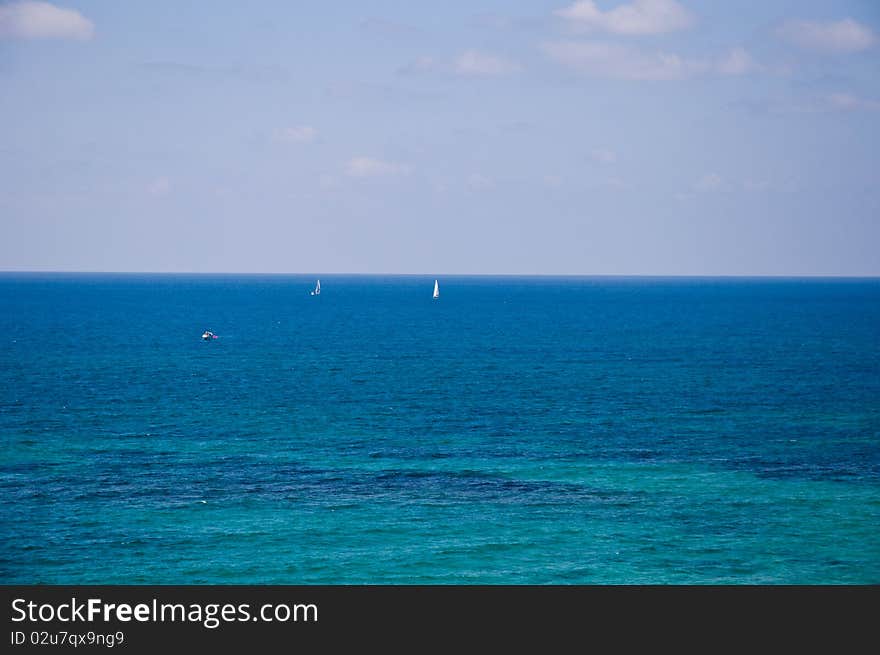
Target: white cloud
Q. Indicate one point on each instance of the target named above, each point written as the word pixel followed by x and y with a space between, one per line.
pixel 159 187
pixel 638 17
pixel 845 35
pixel 297 134
pixel 736 62
pixel 369 167
pixel 709 182
pixel 604 155
pixel 622 62
pixel 847 101
pixel 471 62
pixel 42 20
pixel 617 61
pixel 481 63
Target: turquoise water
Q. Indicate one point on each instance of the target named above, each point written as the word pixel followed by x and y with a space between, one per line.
pixel 517 430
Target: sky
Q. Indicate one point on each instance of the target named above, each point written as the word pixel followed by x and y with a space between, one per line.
pixel 556 137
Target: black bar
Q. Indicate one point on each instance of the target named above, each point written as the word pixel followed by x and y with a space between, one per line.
pixel 423 616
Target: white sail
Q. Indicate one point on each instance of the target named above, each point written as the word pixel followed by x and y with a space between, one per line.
pixel 436 289
pixel 317 291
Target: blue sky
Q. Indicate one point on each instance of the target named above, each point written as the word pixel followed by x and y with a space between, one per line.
pixel 647 137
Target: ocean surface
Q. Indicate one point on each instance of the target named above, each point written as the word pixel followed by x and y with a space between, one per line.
pixel 516 430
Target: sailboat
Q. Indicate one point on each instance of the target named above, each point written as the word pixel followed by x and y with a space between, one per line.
pixel 436 290
pixel 317 291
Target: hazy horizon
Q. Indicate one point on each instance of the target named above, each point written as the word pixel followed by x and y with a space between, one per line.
pixel 440 275
pixel 555 137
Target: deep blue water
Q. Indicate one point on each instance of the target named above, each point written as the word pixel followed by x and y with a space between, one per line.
pixel 517 430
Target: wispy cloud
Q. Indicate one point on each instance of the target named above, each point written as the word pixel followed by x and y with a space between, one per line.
pixel 844 35
pixel 614 183
pixel 42 20
pixel 709 182
pixel 638 17
pixel 604 155
pixel 370 167
pixel 215 73
pixel 385 28
pixel 506 22
pixel 473 62
pixel 736 62
pixel 848 101
pixel 159 187
pixel 297 134
pixel 828 103
pixel 613 60
pixel 618 61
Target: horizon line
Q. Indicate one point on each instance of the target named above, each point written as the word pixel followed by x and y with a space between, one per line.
pixel 397 274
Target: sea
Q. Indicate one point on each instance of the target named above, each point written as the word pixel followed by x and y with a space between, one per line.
pixel 516 430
